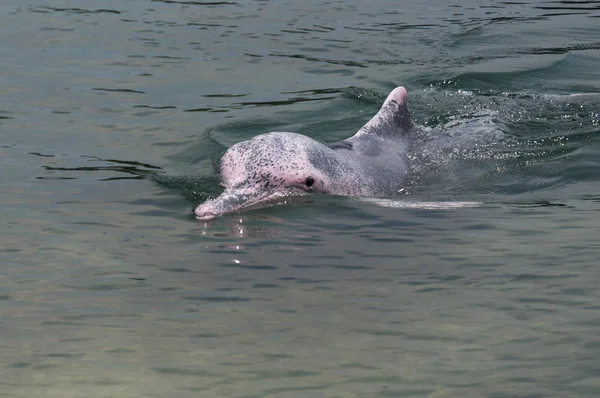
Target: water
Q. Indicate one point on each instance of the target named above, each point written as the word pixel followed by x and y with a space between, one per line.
pixel 113 116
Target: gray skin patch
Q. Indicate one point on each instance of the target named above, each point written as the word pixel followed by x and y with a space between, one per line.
pixel 272 166
pixel 341 145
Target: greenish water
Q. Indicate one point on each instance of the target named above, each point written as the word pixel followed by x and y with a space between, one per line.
pixel 113 116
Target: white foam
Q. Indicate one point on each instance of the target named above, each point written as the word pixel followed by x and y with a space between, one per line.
pixel 396 203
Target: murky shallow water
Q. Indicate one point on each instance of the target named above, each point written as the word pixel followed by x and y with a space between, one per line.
pixel 113 118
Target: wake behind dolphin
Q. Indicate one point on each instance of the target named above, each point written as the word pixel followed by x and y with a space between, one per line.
pixel 372 163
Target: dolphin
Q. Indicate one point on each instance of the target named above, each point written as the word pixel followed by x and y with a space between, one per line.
pixel 374 162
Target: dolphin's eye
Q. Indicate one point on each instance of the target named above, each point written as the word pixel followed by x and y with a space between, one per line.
pixel 309 181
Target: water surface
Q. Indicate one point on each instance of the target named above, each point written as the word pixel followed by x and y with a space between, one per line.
pixel 113 117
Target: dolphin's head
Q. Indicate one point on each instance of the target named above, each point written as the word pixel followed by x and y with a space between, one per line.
pixel 265 169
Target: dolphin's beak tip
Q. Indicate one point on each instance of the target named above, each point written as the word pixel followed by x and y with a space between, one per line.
pixel 203 215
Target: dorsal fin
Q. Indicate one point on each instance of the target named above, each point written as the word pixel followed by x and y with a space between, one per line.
pixel 392 119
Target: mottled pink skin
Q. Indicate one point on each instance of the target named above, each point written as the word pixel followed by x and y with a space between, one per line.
pixel 273 158
pixel 272 166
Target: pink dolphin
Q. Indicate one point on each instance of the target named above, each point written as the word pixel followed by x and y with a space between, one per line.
pixel 271 166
